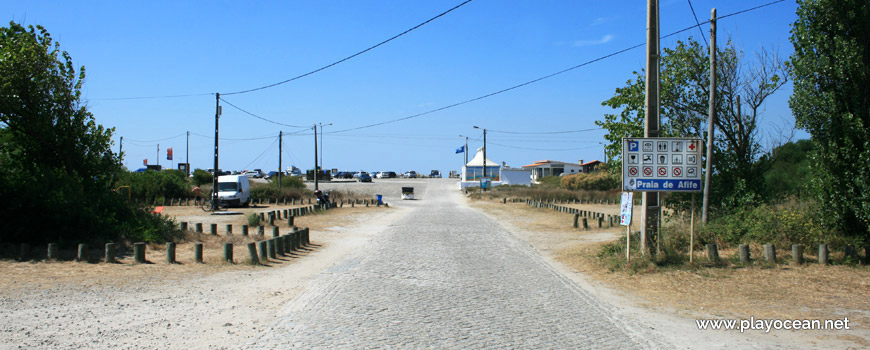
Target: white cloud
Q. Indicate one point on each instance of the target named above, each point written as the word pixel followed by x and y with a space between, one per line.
pixel 600 21
pixel 604 39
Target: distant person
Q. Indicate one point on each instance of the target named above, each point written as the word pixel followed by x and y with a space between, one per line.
pixel 197 195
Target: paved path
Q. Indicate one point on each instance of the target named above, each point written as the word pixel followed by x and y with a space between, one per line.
pixel 447 276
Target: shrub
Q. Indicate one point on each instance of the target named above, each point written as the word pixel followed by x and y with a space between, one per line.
pixel 288 182
pixel 201 177
pixel 253 219
pixel 151 184
pixel 599 180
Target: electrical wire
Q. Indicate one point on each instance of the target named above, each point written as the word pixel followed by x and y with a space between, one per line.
pixel 152 141
pixel 546 76
pixel 699 24
pixel 147 97
pixel 541 149
pixel 351 56
pixel 543 132
pixel 269 147
pixel 259 117
pixel 234 139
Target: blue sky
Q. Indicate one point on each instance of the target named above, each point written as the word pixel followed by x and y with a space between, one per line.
pixel 158 48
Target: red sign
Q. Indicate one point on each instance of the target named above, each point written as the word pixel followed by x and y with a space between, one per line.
pixel 632 171
pixel 647 171
pixel 678 171
pixel 663 171
pixel 145 161
pixel 169 153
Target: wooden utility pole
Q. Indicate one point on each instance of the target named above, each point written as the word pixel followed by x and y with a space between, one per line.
pixel 650 200
pixel 217 114
pixel 711 120
pixel 316 186
pixel 187 153
pixel 280 148
pixel 121 149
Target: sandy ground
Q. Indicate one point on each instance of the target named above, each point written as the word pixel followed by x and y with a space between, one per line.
pixel 672 301
pixel 181 306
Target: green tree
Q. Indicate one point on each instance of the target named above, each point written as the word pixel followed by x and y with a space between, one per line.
pixel 201 177
pixel 788 170
pixel 831 75
pixel 684 96
pixel 56 164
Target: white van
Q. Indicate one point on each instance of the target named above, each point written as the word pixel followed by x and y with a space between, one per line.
pixel 235 190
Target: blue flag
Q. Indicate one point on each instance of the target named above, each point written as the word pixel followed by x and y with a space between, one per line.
pixel 460 149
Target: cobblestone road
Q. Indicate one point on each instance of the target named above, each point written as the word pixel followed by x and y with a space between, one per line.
pixel 447 276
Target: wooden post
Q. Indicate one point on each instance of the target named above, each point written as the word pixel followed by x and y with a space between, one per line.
pixel 170 252
pixel 213 229
pixel 288 245
pixel 576 220
pixel 198 227
pixel 600 222
pixel 228 252
pixel 184 226
pixel 53 251
pixel 264 250
pixel 111 252
pixel 274 231
pixel 797 254
pixel 244 230
pixel 139 252
pixel 290 220
pixel 261 230
pixel 823 254
pixel 743 253
pixel 712 253
pixel 585 224
pixel 770 253
pixel 197 253
pixel 279 245
pixel 82 255
pixel 850 254
pixel 24 252
pixel 252 254
pixel 270 246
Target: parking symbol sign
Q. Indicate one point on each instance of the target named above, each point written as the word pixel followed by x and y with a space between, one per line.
pixel 633 146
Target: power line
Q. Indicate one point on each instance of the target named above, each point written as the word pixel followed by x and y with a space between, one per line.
pixel 233 139
pixel 541 149
pixel 546 76
pixel 269 147
pixel 699 24
pixel 543 132
pixel 148 97
pixel 349 57
pixel 152 141
pixel 259 117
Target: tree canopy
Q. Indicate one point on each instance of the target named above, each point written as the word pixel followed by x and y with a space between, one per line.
pixel 831 75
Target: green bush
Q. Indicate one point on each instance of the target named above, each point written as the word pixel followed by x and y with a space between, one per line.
pixel 599 180
pixel 790 222
pixel 253 219
pixel 288 182
pixel 201 177
pixel 152 184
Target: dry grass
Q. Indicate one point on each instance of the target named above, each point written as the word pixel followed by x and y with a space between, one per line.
pixel 783 291
pixel 43 274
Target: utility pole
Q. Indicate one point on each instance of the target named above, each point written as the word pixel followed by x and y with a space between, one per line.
pixel 217 114
pixel 711 120
pixel 158 154
pixel 484 151
pixel 316 187
pixel 650 200
pixel 280 144
pixel 187 154
pixel 121 150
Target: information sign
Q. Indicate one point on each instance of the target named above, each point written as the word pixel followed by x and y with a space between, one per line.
pixel 625 209
pixel 662 164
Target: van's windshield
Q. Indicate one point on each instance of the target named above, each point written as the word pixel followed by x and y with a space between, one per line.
pixel 228 186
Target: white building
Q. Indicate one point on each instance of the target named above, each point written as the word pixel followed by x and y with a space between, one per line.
pixel 544 168
pixel 499 174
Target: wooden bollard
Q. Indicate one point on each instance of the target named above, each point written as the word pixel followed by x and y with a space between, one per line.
pixel 170 252
pixel 213 229
pixel 184 226
pixel 53 251
pixel 770 253
pixel 867 255
pixel 743 253
pixel 290 220
pixel 82 254
pixel 111 253
pixel 229 229
pixel 797 254
pixel 264 250
pixel 197 253
pixel 270 244
pixel 712 252
pixel 823 254
pixel 198 227
pixel 24 252
pixel 576 220
pixel 244 230
pixel 306 237
pixel 585 224
pixel 228 252
pixel 279 245
pixel 275 232
pixel 252 254
pixel 139 252
pixel 291 238
pixel 288 244
pixel 271 219
pixel 600 222
pixel 262 216
pixel 850 254
pixel 261 230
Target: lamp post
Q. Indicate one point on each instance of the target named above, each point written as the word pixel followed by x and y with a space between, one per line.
pixel 484 151
pixel 316 187
pixel 321 141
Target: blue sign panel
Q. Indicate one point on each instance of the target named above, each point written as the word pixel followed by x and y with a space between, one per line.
pixel 667 185
pixel 633 146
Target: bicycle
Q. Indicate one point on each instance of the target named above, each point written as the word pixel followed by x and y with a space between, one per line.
pixel 212 205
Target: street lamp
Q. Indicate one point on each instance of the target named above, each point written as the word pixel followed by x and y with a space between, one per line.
pixel 484 152
pixel 321 141
pixel 316 187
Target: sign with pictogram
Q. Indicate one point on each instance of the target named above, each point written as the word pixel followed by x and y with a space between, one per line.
pixel 669 164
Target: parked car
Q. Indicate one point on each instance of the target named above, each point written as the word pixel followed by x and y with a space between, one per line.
pixel 270 175
pixel 363 177
pixel 411 174
pixel 390 175
pixel 435 174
